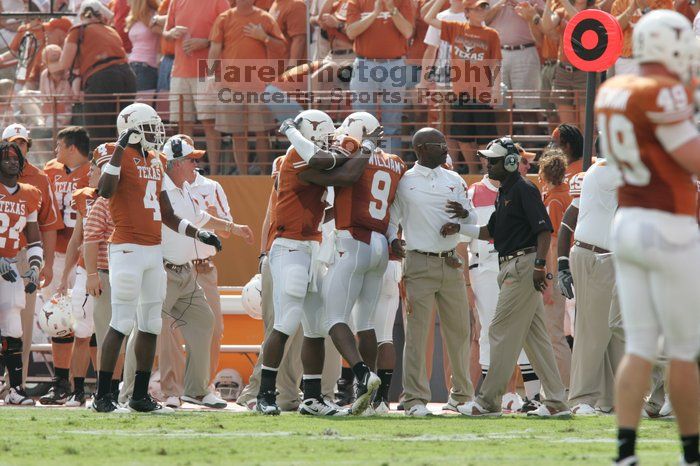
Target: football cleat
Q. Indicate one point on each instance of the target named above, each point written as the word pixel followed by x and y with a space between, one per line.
pixel 583 409
pixel 666 410
pixel 58 394
pixel 266 403
pixel 16 397
pixel 419 410
pixel 474 409
pixel 106 404
pixel 530 405
pixel 148 405
pixel 316 407
pixel 544 411
pixel 364 392
pixel 451 405
pixel 511 402
pixel 209 400
pixel 345 394
pixel 629 461
pixel 75 400
pixel 173 402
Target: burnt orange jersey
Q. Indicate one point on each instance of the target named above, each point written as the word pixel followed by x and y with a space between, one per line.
pixel 628 110
pixel 64 181
pixel 299 208
pixel 574 177
pixel 49 216
pixel 364 207
pixel 273 200
pixel 15 211
pixel 135 206
pixel 82 201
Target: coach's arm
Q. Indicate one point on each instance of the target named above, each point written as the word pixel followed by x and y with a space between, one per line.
pixel 183 226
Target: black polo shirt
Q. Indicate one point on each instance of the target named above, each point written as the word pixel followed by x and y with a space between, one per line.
pixel 519 217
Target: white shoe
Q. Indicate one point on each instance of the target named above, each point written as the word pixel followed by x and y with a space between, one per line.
pixel 451 405
pixel 474 409
pixel 419 410
pixel 16 397
pixel 173 402
pixel 209 400
pixel 666 410
pixel 315 407
pixel 629 461
pixel 607 410
pixel 583 409
pixel 382 408
pixel 511 402
pixel 544 411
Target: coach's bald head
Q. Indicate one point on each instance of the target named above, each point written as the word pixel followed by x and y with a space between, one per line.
pixel 430 147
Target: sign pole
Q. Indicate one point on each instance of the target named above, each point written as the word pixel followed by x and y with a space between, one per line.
pixel 591 81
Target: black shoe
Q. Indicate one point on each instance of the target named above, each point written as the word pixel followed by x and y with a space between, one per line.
pixel 106 404
pixel 267 404
pixel 364 392
pixel 58 393
pixel 148 405
pixel 345 394
pixel 531 405
pixel 76 399
pixel 115 393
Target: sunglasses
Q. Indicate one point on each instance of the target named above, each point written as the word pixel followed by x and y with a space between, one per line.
pixel 440 145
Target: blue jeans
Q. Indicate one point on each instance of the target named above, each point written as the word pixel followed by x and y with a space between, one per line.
pixel 164 69
pixel 146 76
pixel 378 88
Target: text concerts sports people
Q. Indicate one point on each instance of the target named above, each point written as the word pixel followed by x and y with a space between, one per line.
pixel 647 131
pixel 132 181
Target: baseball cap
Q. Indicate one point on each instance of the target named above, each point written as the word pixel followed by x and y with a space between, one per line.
pixel 497 148
pixel 530 156
pixel 187 149
pixel 97 7
pixel 15 131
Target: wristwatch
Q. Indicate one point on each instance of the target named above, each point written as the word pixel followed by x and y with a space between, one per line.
pixel 540 262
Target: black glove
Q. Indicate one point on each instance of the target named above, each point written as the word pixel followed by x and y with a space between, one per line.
pixel 564 278
pixel 7 272
pixel 123 140
pixel 371 141
pixel 209 238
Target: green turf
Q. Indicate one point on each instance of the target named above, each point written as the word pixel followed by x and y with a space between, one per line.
pixel 80 437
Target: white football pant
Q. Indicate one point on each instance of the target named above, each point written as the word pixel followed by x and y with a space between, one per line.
pixel 388 303
pixel 83 305
pixel 12 301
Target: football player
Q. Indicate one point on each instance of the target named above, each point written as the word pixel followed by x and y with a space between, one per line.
pixel 647 131
pixel 298 214
pixel 132 180
pixel 361 254
pixel 67 172
pixel 19 204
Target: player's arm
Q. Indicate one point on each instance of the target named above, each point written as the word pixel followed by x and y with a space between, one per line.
pixel 184 227
pixel 109 179
pixel 76 240
pixel 565 237
pixel 35 253
pixel 682 142
pixel 346 175
pixel 48 239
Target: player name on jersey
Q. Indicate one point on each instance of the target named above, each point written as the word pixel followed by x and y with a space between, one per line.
pixel 613 99
pixel 389 163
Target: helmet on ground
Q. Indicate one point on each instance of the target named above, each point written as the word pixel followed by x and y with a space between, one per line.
pixel 357 125
pixel 144 119
pixel 665 37
pixel 251 297
pixel 229 383
pixel 56 317
pixel 316 126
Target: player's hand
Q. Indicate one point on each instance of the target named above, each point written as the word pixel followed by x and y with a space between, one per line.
pixel 244 232
pixel 539 279
pixel 449 229
pixel 287 125
pixel 375 137
pixel 397 247
pixel 32 276
pixel 7 272
pixel 456 209
pixel 209 238
pixel 62 286
pixel 93 286
pixel 123 140
pixel 46 275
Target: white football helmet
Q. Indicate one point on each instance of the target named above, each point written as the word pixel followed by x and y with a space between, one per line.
pixel 251 297
pixel 665 37
pixel 357 124
pixel 146 120
pixel 229 383
pixel 56 317
pixel 316 126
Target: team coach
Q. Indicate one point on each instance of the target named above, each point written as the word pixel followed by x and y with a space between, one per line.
pixel 521 230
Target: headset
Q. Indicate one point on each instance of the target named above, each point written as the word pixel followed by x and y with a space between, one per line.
pixel 176 146
pixel 512 158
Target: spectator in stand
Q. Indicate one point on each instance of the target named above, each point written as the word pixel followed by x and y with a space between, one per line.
pixel 338 63
pixel 628 13
pixel 55 89
pixel 262 4
pixel 566 76
pixel 245 37
pixel 121 11
pixel 414 62
pixel 688 8
pixel 189 24
pixel 555 194
pixel 99 55
pixel 291 19
pixel 521 63
pixel 320 46
pixel 476 53
pixel 8 30
pixel 167 50
pixel 380 30
pixel 144 34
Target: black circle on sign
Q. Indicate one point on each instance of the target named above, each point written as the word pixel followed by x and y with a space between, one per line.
pixel 598 28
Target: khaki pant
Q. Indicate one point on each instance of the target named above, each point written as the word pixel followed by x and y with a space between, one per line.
pixel 430 281
pixel 554 319
pixel 519 323
pixel 597 351
pixel 289 371
pixel 186 315
pixel 208 278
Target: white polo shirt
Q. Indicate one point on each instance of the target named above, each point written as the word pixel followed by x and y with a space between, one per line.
pixel 209 193
pixel 598 205
pixel 180 249
pixel 419 206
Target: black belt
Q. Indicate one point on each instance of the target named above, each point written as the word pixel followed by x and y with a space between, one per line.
pixel 591 247
pixel 380 60
pixel 436 254
pixel 518 253
pixel 343 52
pixel 176 268
pixel 197 262
pixel 518 47
pixel 564 66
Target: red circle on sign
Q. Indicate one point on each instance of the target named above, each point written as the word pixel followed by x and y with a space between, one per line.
pixel 593 40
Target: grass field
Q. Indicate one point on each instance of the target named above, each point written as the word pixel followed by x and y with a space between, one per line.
pixel 80 437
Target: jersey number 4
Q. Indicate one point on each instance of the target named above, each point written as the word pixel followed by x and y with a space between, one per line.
pixel 12 231
pixel 150 200
pixel 381 187
pixel 619 142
